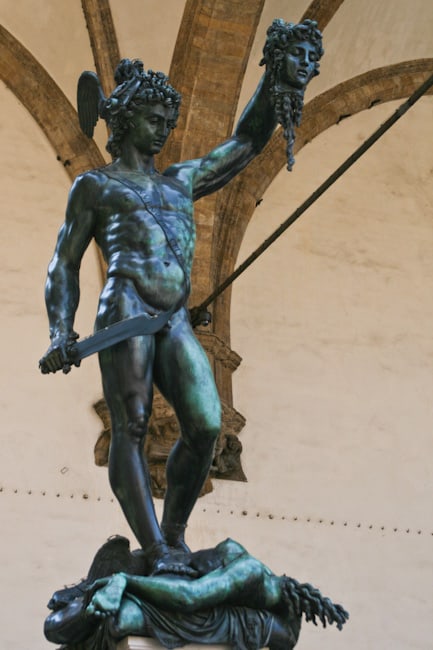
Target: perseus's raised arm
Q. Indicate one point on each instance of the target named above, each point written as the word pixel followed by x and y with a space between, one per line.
pixel 259 119
pixel 291 56
pixel 224 162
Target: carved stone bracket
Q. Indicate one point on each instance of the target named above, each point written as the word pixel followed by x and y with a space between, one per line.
pixel 218 351
pixel 164 429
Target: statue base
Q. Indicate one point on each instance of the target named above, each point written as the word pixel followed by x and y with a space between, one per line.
pixel 146 643
pixel 234 600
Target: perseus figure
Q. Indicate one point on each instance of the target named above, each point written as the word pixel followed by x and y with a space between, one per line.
pixel 142 221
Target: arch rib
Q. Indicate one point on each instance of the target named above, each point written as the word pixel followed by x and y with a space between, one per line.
pixel 47 104
pixel 103 40
pixel 209 61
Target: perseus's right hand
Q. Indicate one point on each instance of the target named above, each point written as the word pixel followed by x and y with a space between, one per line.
pixel 60 355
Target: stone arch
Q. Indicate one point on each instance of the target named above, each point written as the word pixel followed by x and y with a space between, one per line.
pixel 47 104
pixel 103 40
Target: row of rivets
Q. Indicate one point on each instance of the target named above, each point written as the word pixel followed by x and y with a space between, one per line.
pixel 309 520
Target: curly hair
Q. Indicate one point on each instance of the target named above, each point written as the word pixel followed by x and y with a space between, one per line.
pixel 135 89
pixel 305 599
pixel 288 104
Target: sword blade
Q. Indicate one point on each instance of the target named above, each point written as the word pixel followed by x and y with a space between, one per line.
pixel 118 332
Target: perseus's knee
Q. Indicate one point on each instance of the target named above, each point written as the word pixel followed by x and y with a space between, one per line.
pixel 137 417
pixel 211 431
pixel 204 434
pixel 212 422
pixel 137 427
pixel 208 440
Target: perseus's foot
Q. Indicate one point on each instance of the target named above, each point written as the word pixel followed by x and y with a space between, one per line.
pixel 174 535
pixel 107 600
pixel 172 566
pixel 165 560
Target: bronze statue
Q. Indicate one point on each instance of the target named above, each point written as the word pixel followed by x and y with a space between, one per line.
pixel 142 220
pixel 235 600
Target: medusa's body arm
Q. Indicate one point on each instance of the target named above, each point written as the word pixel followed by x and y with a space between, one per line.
pixel 244 582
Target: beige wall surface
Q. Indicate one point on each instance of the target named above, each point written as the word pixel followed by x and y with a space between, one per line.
pixel 334 326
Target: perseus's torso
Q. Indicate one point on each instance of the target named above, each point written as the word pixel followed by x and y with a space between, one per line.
pixel 135 233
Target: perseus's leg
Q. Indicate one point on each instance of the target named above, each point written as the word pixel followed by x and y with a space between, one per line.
pixel 184 376
pixel 127 379
pixel 126 370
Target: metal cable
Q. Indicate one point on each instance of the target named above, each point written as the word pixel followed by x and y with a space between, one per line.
pixel 401 110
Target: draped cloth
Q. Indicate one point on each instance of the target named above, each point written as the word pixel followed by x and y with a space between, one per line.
pixel 241 628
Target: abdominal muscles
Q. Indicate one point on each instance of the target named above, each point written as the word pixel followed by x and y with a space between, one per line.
pixel 159 281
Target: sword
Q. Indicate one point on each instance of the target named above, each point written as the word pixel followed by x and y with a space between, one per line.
pixel 112 334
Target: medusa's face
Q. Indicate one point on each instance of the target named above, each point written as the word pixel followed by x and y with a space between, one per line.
pixel 299 64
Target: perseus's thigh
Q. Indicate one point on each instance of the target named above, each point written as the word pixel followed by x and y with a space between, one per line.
pixel 126 367
pixel 183 374
pixel 126 370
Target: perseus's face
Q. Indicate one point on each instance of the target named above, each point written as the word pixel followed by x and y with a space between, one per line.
pixel 299 64
pixel 153 124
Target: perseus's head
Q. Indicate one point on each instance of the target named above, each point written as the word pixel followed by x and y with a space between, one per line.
pixel 135 90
